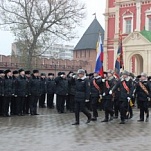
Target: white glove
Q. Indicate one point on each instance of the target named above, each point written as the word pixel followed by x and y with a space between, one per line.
pixel 148 98
pixel 61 75
pixel 103 94
pixel 110 92
pixel 15 96
pixel 86 100
pixel 128 98
pixel 103 80
pixel 74 76
pixel 100 96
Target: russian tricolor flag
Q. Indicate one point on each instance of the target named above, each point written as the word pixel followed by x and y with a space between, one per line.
pixel 99 58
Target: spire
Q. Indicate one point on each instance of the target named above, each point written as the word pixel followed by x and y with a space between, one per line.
pixel 94 15
pixel 90 37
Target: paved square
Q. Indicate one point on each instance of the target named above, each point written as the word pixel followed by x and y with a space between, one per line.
pixel 51 131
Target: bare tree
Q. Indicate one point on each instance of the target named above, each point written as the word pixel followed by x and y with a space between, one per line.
pixel 37 23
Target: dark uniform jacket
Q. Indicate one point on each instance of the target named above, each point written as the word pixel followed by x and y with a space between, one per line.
pixel 93 90
pixel 124 94
pixel 1 86
pixel 82 89
pixel 8 86
pixel 50 86
pixel 141 95
pixel 35 86
pixel 43 86
pixel 71 85
pixel 106 90
pixel 21 86
pixel 61 86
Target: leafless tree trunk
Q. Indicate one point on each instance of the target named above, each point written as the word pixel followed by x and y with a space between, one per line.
pixel 37 23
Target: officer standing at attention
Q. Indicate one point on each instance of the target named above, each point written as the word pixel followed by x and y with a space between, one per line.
pixel 21 91
pixel 8 92
pixel 82 95
pixel 43 91
pixel 61 91
pixel 35 90
pixel 1 90
pixel 13 107
pixel 50 87
pixel 27 99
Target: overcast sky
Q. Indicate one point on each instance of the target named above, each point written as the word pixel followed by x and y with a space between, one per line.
pixel 93 6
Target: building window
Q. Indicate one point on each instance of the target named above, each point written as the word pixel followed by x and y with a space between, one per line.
pixel 127 22
pixel 148 19
pixel 128 26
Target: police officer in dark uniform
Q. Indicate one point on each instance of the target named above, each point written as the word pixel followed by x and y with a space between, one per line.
pixel 1 91
pixel 21 91
pixel 125 84
pixel 61 91
pixel 95 91
pixel 116 102
pixel 107 95
pixel 27 99
pixel 71 92
pixel 50 87
pixel 82 95
pixel 43 91
pixel 8 92
pixel 14 98
pixel 35 91
pixel 143 92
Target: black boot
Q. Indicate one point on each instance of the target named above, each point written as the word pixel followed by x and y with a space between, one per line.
pixel 89 119
pixel 105 120
pixel 76 123
pixel 94 119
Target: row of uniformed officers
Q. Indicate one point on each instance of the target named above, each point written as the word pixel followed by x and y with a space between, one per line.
pixel 117 94
pixel 21 91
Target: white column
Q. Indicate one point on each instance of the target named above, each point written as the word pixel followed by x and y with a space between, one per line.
pixel 138 15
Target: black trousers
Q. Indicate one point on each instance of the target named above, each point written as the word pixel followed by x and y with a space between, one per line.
pixel 6 101
pixel 26 105
pixel 108 107
pixel 33 104
pixel 72 102
pixel 50 98
pixel 60 102
pixel 13 107
pixel 20 104
pixel 1 105
pixel 124 108
pixel 116 107
pixel 42 100
pixel 80 106
pixel 94 101
pixel 68 103
pixel 144 109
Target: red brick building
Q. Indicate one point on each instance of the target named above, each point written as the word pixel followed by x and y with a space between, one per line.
pixel 133 19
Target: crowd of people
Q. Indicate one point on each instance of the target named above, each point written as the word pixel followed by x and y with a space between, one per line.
pixel 20 92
